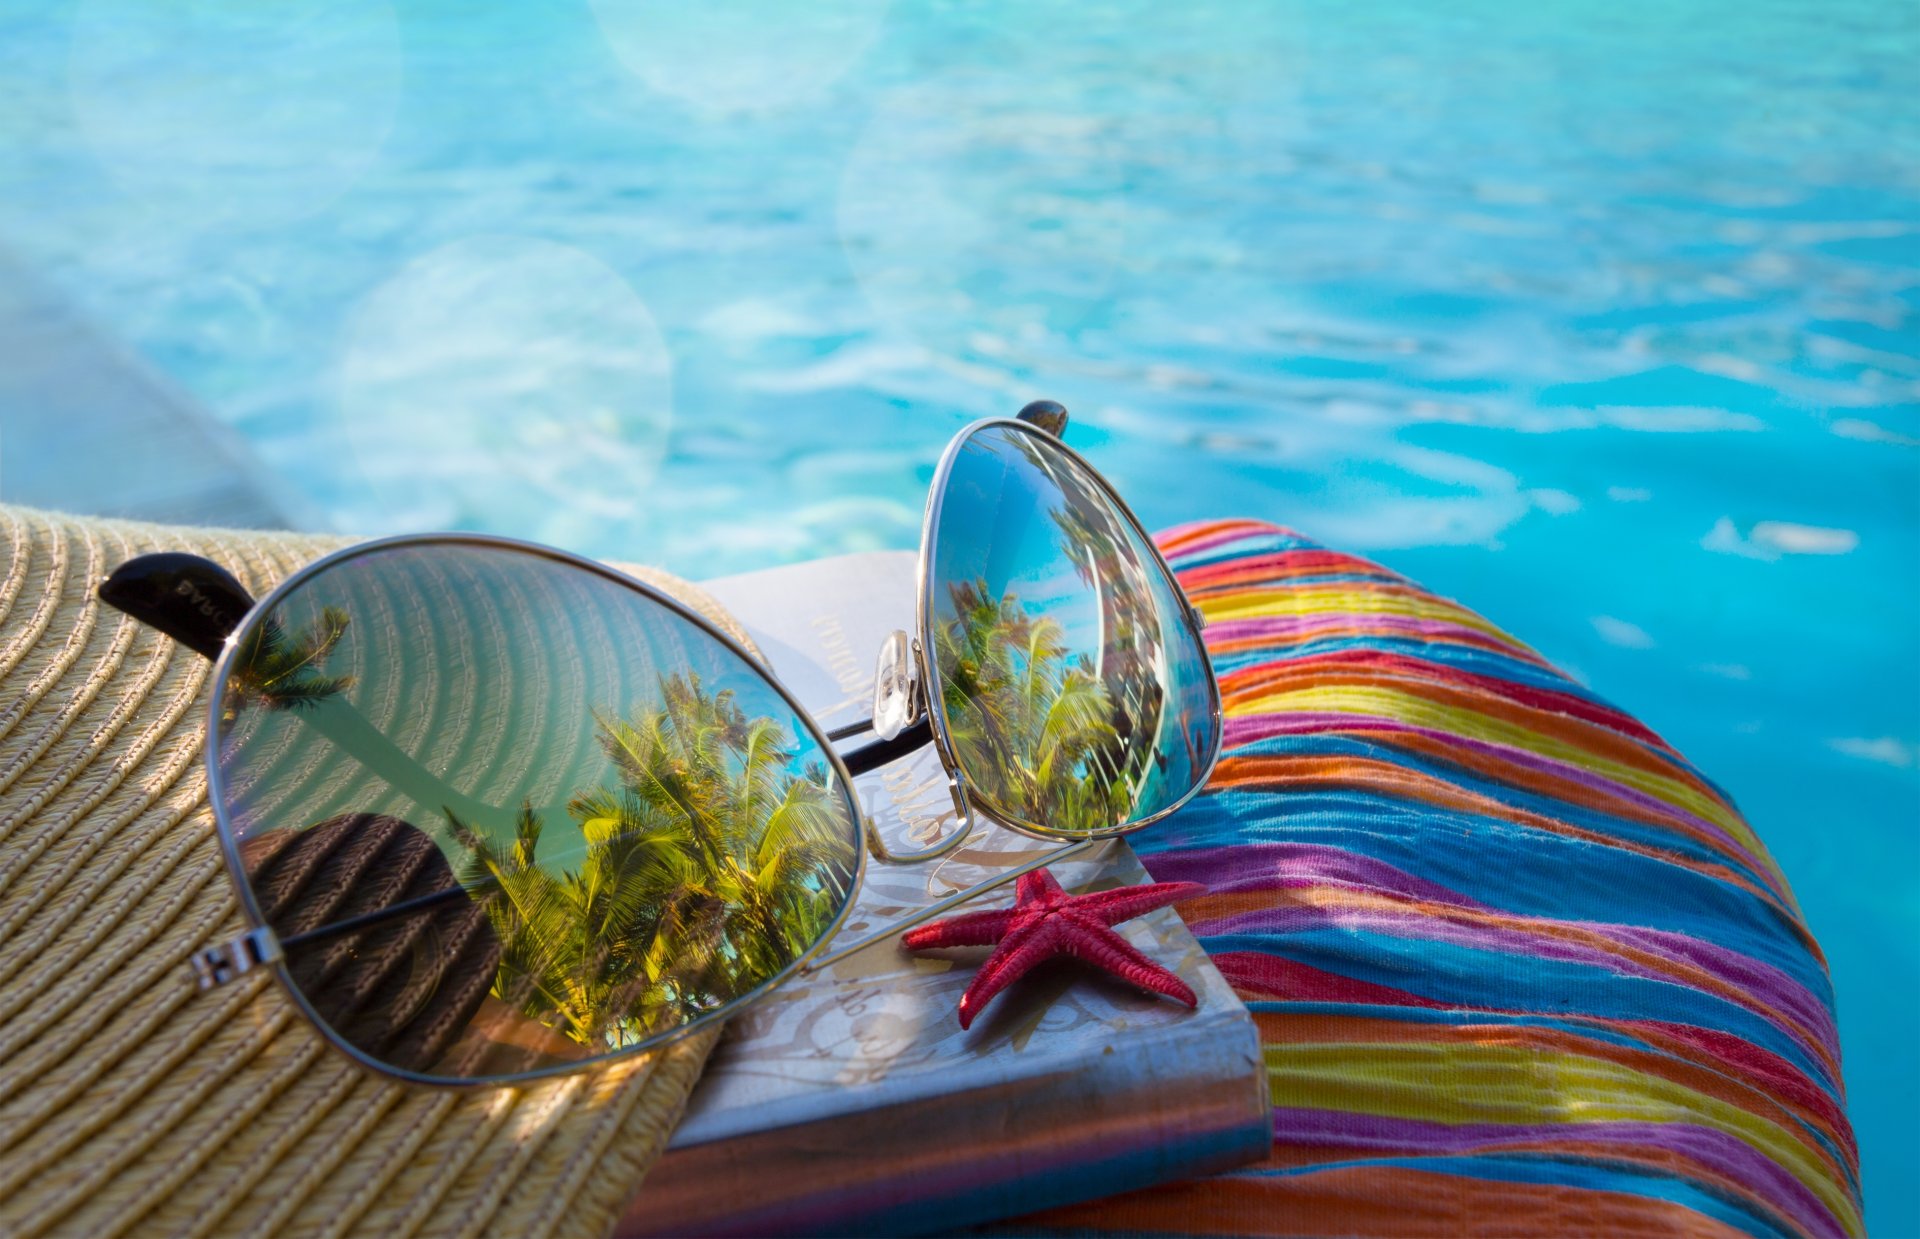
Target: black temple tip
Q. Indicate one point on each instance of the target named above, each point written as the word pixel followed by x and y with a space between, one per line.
pixel 1048 415
pixel 193 600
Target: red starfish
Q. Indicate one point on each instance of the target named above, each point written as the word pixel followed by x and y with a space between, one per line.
pixel 1046 921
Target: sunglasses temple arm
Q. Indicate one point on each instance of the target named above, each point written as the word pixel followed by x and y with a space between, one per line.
pixel 952 901
pixel 870 757
pixel 191 599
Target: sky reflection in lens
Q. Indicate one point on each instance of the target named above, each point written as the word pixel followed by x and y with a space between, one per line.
pixel 508 814
pixel 1075 696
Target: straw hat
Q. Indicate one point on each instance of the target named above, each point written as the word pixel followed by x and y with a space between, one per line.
pixel 132 1103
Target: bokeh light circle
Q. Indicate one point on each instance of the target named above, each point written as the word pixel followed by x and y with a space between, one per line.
pixel 1061 170
pixel 507 384
pixel 251 113
pixel 972 204
pixel 740 55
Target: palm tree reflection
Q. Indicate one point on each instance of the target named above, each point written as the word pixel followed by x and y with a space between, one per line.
pixel 1069 739
pixel 285 672
pixel 1133 655
pixel 710 866
pixel 1031 722
pixel 707 862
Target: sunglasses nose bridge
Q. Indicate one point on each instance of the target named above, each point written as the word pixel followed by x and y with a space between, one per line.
pixel 962 830
pixel 898 695
pixel 900 709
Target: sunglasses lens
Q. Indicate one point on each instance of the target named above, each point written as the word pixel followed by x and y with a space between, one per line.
pixel 508 814
pixel 1075 695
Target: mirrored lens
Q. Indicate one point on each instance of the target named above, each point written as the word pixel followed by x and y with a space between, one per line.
pixel 508 814
pixel 1075 696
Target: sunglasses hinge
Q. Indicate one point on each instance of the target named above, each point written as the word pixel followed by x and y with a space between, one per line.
pixel 217 965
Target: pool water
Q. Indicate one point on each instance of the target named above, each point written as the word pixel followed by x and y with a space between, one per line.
pixel 1599 318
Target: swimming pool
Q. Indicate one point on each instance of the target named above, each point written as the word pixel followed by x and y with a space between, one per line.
pixel 1603 324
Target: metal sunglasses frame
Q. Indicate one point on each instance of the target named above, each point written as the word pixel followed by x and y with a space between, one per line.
pixel 259 947
pixel 1046 421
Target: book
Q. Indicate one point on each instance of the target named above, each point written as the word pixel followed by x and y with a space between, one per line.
pixel 851 1101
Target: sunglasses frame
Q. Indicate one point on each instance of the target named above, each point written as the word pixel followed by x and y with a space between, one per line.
pixel 924 619
pixel 259 947
pixel 267 949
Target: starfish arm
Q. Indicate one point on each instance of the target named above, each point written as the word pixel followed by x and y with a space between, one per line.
pixel 1026 946
pixel 973 929
pixel 1037 885
pixel 1104 947
pixel 1127 902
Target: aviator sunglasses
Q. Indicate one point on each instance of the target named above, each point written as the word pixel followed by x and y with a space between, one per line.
pixel 497 812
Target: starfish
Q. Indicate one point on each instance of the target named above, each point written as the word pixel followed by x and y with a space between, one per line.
pixel 1044 922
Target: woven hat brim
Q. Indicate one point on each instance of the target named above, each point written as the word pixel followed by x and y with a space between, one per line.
pixel 129 1102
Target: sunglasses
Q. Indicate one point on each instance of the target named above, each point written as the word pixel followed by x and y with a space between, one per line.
pixel 497 812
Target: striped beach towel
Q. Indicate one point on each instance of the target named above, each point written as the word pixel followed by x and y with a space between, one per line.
pixel 1518 966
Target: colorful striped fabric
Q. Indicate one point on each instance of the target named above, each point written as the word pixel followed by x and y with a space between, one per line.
pixel 1518 966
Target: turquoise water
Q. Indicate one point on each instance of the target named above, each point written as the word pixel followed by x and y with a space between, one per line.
pixel 1602 321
